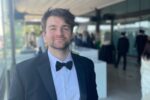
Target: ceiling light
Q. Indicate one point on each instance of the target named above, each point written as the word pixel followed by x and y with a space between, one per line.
pixel 82 19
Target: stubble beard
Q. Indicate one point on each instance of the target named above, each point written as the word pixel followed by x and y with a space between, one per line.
pixel 64 48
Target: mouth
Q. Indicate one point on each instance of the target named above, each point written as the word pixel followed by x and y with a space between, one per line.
pixel 60 38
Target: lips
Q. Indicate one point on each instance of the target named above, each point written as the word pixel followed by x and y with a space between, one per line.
pixel 59 38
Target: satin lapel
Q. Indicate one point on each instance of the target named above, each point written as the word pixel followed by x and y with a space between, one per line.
pixel 46 75
pixel 81 77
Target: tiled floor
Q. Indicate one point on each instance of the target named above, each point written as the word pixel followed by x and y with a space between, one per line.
pixel 124 85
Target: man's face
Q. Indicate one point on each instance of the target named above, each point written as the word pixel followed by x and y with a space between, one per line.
pixel 57 34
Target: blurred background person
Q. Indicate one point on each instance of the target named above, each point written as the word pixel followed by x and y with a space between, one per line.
pixel 107 52
pixel 122 50
pixel 40 44
pixel 140 42
pixel 145 72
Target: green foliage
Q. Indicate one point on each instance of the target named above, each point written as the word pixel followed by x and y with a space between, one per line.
pixel 33 28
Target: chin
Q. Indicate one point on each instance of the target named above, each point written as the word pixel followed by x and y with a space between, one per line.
pixel 60 47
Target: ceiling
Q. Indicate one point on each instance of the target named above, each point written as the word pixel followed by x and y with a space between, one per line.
pixel 127 12
pixel 34 9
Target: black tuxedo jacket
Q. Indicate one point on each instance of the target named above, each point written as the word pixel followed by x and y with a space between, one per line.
pixel 32 79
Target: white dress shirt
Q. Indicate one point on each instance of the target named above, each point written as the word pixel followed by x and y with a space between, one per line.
pixel 65 80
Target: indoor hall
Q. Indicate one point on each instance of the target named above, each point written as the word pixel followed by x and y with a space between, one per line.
pixel 103 20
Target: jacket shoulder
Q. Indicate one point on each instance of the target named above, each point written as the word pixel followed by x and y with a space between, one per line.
pixel 80 58
pixel 29 64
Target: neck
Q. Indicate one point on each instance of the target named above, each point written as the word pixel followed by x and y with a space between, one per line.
pixel 60 54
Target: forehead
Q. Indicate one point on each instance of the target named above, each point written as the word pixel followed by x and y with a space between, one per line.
pixel 55 20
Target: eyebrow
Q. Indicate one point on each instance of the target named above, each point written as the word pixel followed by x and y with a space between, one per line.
pixel 66 26
pixel 62 26
pixel 51 26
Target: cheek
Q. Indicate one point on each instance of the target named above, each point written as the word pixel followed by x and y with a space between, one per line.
pixel 48 38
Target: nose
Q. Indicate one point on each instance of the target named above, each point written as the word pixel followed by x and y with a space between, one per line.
pixel 59 31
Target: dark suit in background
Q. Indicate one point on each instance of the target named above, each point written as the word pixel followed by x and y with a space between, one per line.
pixel 33 79
pixel 122 48
pixel 140 44
pixel 107 53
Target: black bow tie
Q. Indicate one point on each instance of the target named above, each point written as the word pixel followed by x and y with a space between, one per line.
pixel 59 65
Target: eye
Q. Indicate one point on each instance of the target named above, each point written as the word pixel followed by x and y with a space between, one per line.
pixel 66 28
pixel 52 29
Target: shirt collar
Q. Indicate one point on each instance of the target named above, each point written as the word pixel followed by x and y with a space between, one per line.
pixel 53 59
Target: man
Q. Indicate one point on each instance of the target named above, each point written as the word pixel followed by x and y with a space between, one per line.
pixel 140 42
pixel 122 48
pixel 43 77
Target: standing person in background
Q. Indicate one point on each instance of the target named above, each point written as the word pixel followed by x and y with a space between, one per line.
pixel 140 42
pixel 122 49
pixel 145 72
pixel 32 39
pixel 57 74
pixel 41 44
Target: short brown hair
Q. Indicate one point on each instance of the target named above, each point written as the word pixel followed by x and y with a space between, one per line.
pixel 63 13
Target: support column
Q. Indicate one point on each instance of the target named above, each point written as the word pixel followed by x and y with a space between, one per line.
pixel 112 30
pixel 98 20
pixel 13 37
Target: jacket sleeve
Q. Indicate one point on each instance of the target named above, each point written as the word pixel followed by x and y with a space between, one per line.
pixel 92 87
pixel 16 91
